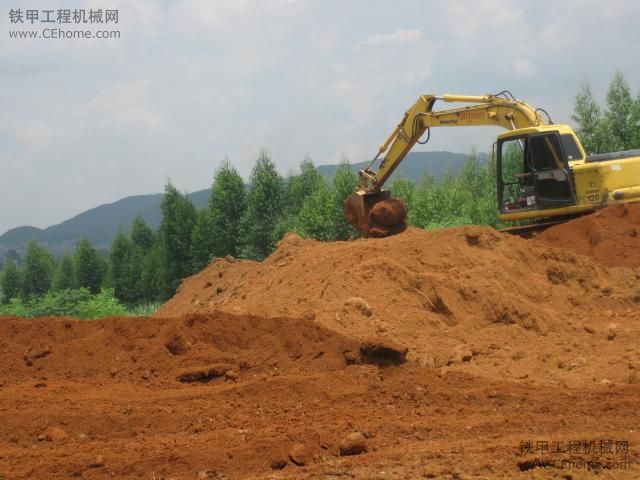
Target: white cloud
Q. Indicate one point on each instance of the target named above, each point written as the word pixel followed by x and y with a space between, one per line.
pixel 524 67
pixel 470 20
pixel 324 42
pixel 37 136
pixel 191 81
pixel 340 68
pixel 126 105
pixel 399 36
pixel 417 76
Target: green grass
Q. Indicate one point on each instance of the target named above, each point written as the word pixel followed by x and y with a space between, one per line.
pixel 144 309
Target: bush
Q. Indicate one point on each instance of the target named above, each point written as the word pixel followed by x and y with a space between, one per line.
pixel 100 305
pixel 15 307
pixel 78 303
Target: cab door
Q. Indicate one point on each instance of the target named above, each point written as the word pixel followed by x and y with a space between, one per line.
pixel 552 179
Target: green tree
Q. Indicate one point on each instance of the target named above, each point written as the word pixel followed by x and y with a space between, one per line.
pixel 9 280
pixel 121 271
pixel 315 217
pixel 478 191
pixel 265 205
pixel 227 205
pixel 89 266
pixel 592 127
pixel 141 233
pixel 37 271
pixel 421 206
pixel 63 277
pixel 344 183
pixel 299 187
pixel 322 213
pixel 15 256
pixel 143 243
pixel 152 277
pixel 202 243
pixel 615 128
pixel 619 114
pixel 404 189
pixel 178 219
pixel 462 198
pixel 635 123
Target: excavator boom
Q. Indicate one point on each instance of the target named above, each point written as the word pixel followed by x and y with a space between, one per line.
pixel 370 202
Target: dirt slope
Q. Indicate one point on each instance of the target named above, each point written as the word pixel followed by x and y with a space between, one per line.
pixel 610 236
pixel 468 299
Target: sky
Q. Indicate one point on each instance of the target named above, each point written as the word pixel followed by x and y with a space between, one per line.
pixel 88 121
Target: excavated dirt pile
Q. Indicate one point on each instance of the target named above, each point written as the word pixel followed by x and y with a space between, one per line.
pixel 610 236
pixel 468 299
pixel 193 348
pixel 459 353
pixel 221 396
pixel 140 397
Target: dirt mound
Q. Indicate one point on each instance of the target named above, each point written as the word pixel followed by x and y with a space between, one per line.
pixel 192 348
pixel 469 299
pixel 222 396
pixel 610 235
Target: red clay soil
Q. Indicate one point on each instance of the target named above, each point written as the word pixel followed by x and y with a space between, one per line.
pixel 463 299
pixel 238 397
pixel 456 354
pixel 611 235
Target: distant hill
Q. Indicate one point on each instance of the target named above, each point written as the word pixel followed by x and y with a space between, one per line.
pixel 100 224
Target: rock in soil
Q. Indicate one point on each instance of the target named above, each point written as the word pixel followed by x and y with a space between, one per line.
pixel 353 444
pixel 97 462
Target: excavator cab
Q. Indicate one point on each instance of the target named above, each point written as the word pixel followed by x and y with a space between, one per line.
pixel 533 172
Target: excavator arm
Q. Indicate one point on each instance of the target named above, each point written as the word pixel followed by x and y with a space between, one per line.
pixel 370 209
pixel 486 110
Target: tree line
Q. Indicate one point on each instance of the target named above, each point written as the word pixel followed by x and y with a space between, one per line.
pixel 247 221
pixel 614 127
pixel 240 220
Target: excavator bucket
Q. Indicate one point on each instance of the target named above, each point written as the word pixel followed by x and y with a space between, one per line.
pixel 376 214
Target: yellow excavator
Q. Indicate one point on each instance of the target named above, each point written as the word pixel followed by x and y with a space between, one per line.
pixel 544 174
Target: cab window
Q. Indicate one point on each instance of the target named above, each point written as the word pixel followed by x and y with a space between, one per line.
pixel 570 147
pixel 545 153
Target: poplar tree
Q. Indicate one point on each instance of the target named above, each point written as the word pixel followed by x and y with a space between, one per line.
pixel 37 272
pixel 619 114
pixel 63 275
pixel 89 267
pixel 178 219
pixel 592 129
pixel 227 204
pixel 265 202
pixel 121 271
pixel 9 280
